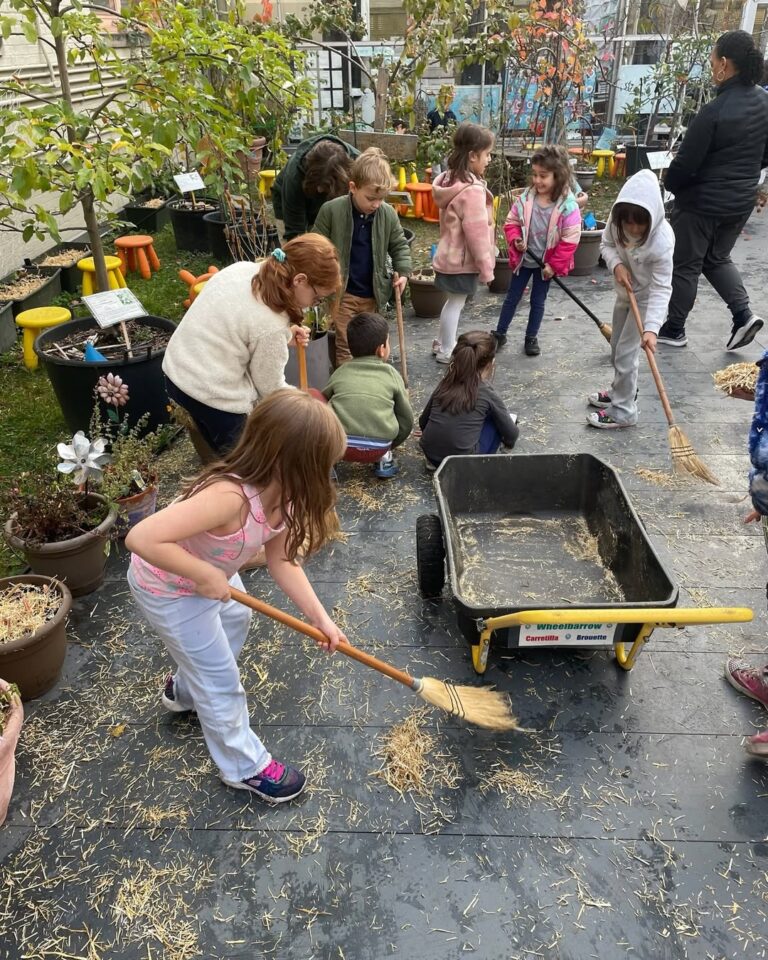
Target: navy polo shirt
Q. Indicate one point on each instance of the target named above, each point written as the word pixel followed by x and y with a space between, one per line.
pixel 360 281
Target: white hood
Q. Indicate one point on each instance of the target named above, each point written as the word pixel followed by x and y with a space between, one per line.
pixel 650 264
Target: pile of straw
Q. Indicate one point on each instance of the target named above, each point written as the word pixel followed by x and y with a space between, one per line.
pixel 25 608
pixel 737 376
pixel 410 760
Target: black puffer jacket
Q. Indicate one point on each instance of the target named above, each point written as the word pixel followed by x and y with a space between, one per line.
pixel 716 170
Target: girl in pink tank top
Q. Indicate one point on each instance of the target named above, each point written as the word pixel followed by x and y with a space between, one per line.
pixel 274 490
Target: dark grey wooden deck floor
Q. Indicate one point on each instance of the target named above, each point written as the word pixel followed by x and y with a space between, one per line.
pixel 649 834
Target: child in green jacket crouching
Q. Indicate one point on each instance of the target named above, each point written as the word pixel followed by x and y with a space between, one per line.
pixel 365 231
pixel 368 395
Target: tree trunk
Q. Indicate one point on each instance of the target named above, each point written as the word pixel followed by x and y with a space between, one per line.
pixel 380 116
pixel 94 237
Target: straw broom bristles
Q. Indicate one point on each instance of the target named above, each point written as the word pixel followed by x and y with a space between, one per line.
pixel 480 706
pixel 684 458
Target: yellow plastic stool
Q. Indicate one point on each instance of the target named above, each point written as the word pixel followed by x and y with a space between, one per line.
pixel 266 179
pixel 114 274
pixel 32 322
pixel 602 156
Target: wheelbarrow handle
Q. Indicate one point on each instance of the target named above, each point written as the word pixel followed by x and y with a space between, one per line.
pixel 567 290
pixel 655 616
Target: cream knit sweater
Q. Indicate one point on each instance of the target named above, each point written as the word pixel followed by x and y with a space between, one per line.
pixel 229 351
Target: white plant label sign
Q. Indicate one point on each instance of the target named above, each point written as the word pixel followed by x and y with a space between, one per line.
pixel 114 306
pixel 187 182
pixel 567 634
pixel 659 159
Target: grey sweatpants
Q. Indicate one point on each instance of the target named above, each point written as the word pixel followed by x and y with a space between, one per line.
pixel 625 355
pixel 703 245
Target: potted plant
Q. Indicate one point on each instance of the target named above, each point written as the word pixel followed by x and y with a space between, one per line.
pixel 30 287
pixel 62 353
pixel 146 211
pixel 426 299
pixel 11 718
pixel 33 632
pixel 588 251
pixel 8 329
pixel 130 478
pixel 585 177
pixel 63 532
pixel 64 257
pixel 187 220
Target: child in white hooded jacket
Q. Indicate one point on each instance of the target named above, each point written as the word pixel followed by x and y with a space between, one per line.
pixel 637 247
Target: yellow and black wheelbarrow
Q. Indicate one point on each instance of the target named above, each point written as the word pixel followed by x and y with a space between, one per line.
pixel 559 532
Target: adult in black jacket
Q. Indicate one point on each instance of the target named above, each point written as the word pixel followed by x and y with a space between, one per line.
pixel 714 179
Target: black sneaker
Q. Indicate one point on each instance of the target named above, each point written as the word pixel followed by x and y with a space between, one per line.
pixel 744 332
pixel 532 348
pixel 501 338
pixel 168 697
pixel 277 783
pixel 673 338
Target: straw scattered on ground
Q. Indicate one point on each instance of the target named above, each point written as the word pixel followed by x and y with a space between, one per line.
pixel 662 479
pixel 737 376
pixel 411 759
pixel 518 786
pixel 25 608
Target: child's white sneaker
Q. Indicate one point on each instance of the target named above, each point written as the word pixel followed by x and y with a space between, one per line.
pixel 601 399
pixel 604 421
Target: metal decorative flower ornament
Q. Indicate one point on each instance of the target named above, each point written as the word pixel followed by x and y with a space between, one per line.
pixel 82 458
pixel 111 389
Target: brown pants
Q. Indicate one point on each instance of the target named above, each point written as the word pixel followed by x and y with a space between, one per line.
pixel 348 307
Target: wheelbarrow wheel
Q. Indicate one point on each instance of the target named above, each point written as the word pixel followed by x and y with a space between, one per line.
pixel 430 555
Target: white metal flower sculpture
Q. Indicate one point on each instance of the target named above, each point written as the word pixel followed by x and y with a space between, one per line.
pixel 82 458
pixel 111 389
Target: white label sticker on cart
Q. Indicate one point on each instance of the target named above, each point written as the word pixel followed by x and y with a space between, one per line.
pixel 567 634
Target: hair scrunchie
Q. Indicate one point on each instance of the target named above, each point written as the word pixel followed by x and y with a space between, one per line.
pixel 279 255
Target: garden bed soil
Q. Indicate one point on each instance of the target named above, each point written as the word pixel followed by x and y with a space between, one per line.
pixel 145 340
pixel 29 288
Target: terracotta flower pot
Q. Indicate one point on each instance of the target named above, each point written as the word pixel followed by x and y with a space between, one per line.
pixel 8 741
pixel 426 299
pixel 34 662
pixel 79 562
pixel 588 251
pixel 134 509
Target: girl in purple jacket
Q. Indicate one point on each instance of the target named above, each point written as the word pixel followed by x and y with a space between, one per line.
pixel 546 221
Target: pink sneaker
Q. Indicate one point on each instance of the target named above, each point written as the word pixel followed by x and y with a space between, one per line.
pixel 757 746
pixel 753 681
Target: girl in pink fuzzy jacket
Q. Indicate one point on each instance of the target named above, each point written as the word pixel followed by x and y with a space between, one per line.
pixel 547 221
pixel 466 252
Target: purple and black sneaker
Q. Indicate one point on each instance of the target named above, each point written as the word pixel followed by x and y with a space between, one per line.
pixel 276 783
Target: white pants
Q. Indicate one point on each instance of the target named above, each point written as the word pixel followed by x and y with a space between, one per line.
pixel 205 638
pixel 449 321
pixel 625 355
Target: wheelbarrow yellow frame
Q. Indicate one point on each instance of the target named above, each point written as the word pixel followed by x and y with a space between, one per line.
pixel 648 617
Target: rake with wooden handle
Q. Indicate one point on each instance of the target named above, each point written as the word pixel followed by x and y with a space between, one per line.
pixel 481 706
pixel 401 330
pixel 684 458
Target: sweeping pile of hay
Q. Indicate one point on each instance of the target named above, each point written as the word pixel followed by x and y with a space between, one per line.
pixel 738 377
pixel 411 761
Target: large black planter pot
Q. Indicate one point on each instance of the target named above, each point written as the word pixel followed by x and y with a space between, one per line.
pixel 71 277
pixel 637 156
pixel 43 296
pixel 8 329
pixel 502 276
pixel 145 219
pixel 188 225
pixel 215 238
pixel 588 251
pixel 318 364
pixel 73 381
pixel 256 240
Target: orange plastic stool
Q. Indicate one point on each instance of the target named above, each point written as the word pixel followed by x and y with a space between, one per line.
pixel 194 282
pixel 424 207
pixel 620 165
pixel 137 255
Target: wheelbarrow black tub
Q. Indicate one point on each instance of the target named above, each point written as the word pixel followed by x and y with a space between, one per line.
pixel 539 485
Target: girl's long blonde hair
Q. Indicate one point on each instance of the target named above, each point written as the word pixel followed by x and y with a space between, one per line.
pixel 295 440
pixel 311 254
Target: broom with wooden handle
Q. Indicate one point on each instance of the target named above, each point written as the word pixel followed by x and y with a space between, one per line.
pixel 401 331
pixel 481 706
pixel 684 458
pixel 604 328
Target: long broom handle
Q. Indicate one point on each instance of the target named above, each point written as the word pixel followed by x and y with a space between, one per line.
pixel 346 648
pixel 301 354
pixel 652 363
pixel 566 289
pixel 401 331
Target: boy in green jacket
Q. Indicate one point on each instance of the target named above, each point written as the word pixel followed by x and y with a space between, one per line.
pixel 368 395
pixel 365 231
